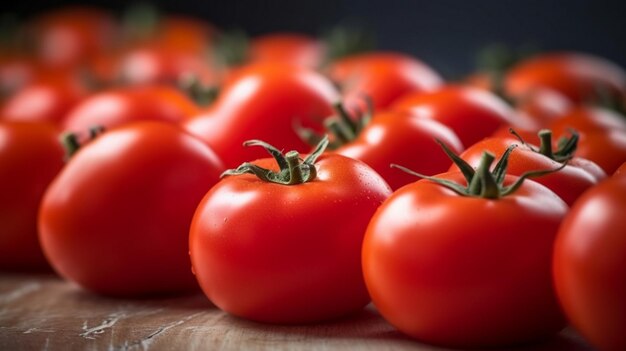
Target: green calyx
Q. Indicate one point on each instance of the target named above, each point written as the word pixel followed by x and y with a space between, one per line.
pixel 482 182
pixel 342 127
pixel 201 94
pixel 292 169
pixel 349 38
pixel 140 20
pixel 231 48
pixel 71 143
pixel 566 146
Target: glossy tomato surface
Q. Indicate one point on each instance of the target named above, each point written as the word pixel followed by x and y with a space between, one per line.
pixel 406 140
pixel 287 253
pixel 471 113
pixel 590 265
pixel 463 271
pixel 116 219
pixel 30 157
pixel 264 102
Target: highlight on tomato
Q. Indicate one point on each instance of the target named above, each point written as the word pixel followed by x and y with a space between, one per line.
pixel 463 259
pixel 279 240
pixel 590 265
pixel 30 157
pixel 116 219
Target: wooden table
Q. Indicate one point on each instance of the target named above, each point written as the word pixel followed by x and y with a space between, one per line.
pixel 42 312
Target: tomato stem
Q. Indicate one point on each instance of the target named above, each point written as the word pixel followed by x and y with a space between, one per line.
pixel 201 94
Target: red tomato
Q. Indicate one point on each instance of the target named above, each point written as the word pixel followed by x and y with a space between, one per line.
pixel 288 48
pixel 66 37
pixel 576 75
pixel 30 157
pixel 47 101
pixel 569 182
pixel 587 119
pixel 621 171
pixel 264 102
pixel 115 107
pixel 184 34
pixel 471 113
pixel 116 219
pixel 287 253
pixel 394 137
pixel 465 271
pixel 381 76
pixel 543 106
pixel 590 265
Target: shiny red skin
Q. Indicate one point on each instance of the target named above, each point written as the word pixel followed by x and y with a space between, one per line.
pixel 590 265
pixel 569 183
pixel 287 254
pixel 112 108
pixel 465 272
pixel 47 101
pixel 381 76
pixel 30 157
pixel 471 113
pixel 406 140
pixel 263 103
pixel 575 75
pixel 116 219
pixel 287 48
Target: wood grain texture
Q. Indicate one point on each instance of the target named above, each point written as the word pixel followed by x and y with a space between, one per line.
pixel 45 313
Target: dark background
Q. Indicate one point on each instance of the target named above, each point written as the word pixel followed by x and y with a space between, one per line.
pixel 445 33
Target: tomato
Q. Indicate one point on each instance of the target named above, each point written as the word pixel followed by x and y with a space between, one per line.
pixel 184 34
pixel 279 253
pixel 576 75
pixel 471 113
pixel 264 102
pixel 602 135
pixel 30 157
pixel 621 171
pixel 111 108
pixel 116 219
pixel 68 36
pixel 543 106
pixel 288 48
pixel 381 76
pixel 45 101
pixel 466 271
pixel 590 265
pixel 569 182
pixel 16 71
pixel 394 137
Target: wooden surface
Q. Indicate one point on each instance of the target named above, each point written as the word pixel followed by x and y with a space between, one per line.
pixel 45 313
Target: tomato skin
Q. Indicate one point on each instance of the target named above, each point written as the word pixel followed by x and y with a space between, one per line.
pixel 569 183
pixel 575 75
pixel 590 265
pixel 381 76
pixel 263 102
pixel 119 106
pixel 471 113
pixel 464 271
pixel 287 48
pixel 30 157
pixel 399 138
pixel 116 219
pixel 46 101
pixel 287 254
pixel 621 171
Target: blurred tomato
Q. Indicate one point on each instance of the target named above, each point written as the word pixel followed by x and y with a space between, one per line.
pixel 288 48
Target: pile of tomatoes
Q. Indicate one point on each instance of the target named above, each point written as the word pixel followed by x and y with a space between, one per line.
pixel 160 155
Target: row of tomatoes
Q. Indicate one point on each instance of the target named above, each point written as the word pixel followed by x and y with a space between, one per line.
pixel 465 261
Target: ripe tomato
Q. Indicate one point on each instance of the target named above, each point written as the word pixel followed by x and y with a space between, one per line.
pixel 576 75
pixel 68 36
pixel 471 113
pixel 264 102
pixel 590 265
pixel 282 253
pixel 466 271
pixel 602 135
pixel 543 106
pixel 46 101
pixel 116 219
pixel 30 157
pixel 289 48
pixel 621 171
pixel 381 76
pixel 396 137
pixel 569 182
pixel 118 106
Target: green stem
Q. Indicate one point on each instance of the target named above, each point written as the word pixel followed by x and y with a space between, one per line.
pixel 545 148
pixel 295 171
